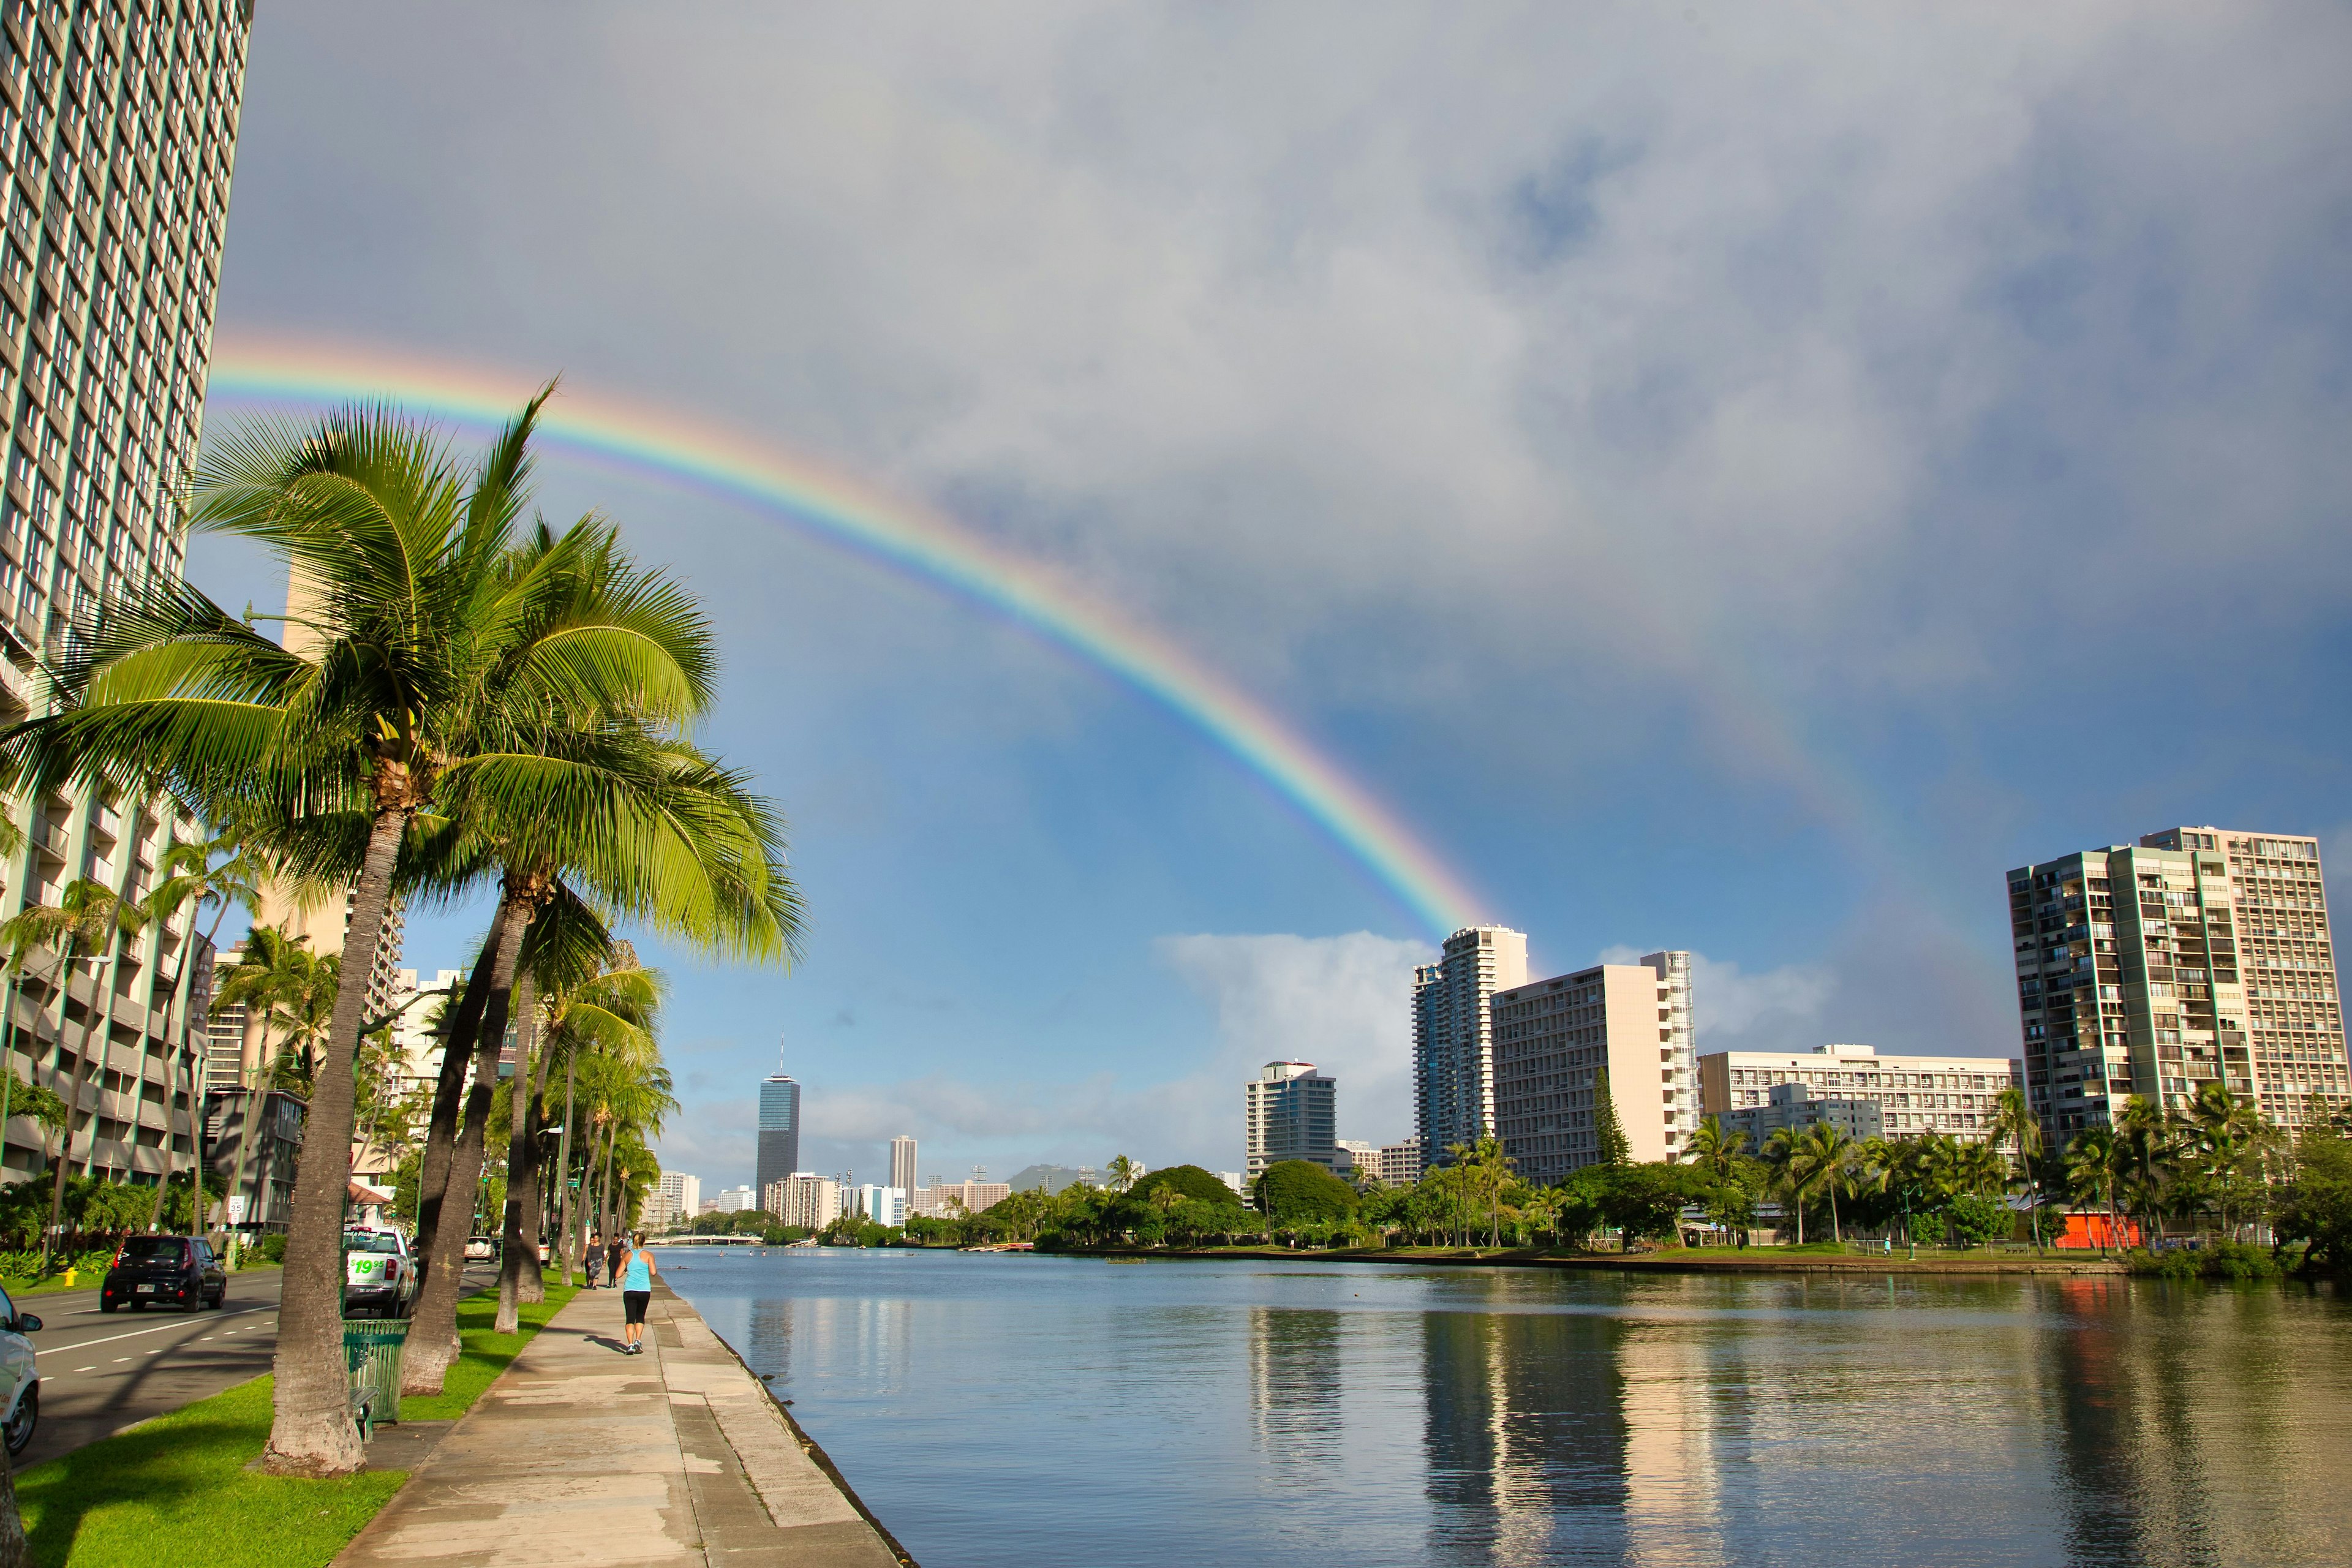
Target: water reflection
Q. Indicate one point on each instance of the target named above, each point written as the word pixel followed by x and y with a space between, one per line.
pixel 1369 1416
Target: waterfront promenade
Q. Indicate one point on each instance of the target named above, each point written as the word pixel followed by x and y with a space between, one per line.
pixel 676 1458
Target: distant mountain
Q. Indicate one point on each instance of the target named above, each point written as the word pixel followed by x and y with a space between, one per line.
pixel 1054 1178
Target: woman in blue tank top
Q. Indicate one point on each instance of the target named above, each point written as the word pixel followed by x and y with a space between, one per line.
pixel 636 1284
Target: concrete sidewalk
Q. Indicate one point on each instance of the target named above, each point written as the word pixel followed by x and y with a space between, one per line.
pixel 580 1455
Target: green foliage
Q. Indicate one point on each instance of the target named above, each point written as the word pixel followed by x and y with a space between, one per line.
pixel 2228 1261
pixel 1190 1181
pixel 1975 1220
pixel 483 1353
pixel 2315 1206
pixel 1300 1190
pixel 1608 1135
pixel 1646 1202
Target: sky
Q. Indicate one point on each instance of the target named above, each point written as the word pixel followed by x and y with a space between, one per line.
pixel 1730 478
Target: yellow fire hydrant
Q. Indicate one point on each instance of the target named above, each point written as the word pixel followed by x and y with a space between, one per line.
pixel 69 1279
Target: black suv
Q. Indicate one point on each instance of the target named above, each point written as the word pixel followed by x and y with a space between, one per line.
pixel 183 1270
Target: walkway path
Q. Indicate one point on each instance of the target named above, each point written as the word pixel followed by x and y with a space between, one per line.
pixel 579 1454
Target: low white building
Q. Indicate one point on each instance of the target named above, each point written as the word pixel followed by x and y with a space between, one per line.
pixel 1950 1095
pixel 1794 1106
pixel 883 1205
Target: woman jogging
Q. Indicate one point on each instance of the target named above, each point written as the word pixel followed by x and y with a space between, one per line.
pixel 636 1284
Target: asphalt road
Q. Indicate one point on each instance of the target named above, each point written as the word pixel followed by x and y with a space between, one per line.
pixel 103 1371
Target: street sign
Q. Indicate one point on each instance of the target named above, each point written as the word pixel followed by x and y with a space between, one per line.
pixel 237 1208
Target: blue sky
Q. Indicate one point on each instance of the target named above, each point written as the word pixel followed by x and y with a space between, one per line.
pixel 1731 480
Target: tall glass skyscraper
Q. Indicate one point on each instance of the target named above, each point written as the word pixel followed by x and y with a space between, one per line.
pixel 780 1131
pixel 118 130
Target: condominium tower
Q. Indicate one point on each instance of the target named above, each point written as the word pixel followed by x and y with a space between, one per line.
pixel 1452 1042
pixel 1621 1029
pixel 118 128
pixel 779 1132
pixel 1289 1112
pixel 902 1163
pixel 2199 955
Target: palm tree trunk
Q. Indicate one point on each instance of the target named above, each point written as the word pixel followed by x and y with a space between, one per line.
pixel 432 1333
pixel 311 1432
pixel 195 1096
pixel 73 1100
pixel 611 1205
pixel 449 1092
pixel 563 1238
pixel 522 1170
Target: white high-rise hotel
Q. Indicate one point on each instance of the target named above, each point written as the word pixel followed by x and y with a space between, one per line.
pixel 118 129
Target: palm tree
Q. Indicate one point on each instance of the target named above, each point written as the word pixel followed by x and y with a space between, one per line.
pixel 192 876
pixel 268 970
pixel 1712 1150
pixel 1807 1162
pixel 304 1012
pixel 428 654
pixel 2092 1157
pixel 1119 1174
pixel 86 920
pixel 2014 1123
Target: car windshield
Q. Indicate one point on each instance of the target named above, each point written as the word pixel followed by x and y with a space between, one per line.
pixel 155 1249
pixel 370 1241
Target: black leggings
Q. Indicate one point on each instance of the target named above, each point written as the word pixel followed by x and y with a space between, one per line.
pixel 633 1303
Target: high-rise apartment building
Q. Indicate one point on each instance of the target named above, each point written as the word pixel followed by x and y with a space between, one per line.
pixel 117 130
pixel 675 1199
pixel 1452 1043
pixel 2199 955
pixel 803 1198
pixel 735 1200
pixel 1559 1044
pixel 780 1132
pixel 1913 1095
pixel 1290 1112
pixel 902 1163
pixel 975 1196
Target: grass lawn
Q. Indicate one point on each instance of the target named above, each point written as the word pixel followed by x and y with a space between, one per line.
pixel 176 1490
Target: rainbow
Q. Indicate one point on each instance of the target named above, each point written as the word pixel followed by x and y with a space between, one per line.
pixel 899 534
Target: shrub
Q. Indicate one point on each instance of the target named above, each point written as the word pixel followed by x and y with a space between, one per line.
pixel 1189 1181
pixel 1299 1190
pixel 1976 1219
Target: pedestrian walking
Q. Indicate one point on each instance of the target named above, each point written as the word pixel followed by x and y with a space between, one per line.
pixel 594 1262
pixel 636 1279
pixel 615 1251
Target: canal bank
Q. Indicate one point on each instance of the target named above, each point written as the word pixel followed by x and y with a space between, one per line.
pixel 679 1458
pixel 1712 1260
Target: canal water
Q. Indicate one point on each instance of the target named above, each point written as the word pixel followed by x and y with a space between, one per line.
pixel 1010 1411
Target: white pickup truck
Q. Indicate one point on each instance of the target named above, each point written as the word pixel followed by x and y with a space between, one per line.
pixel 379 1274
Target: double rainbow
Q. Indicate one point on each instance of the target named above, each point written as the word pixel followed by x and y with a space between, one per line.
pixel 922 544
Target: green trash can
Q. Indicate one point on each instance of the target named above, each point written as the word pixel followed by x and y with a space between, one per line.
pixel 372 1352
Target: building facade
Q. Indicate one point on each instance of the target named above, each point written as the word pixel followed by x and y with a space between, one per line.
pixel 944 1199
pixel 675 1199
pixel 1792 1107
pixel 734 1200
pixel 1452 1040
pixel 1950 1095
pixel 1623 1030
pixel 883 1205
pixel 1399 1164
pixel 1289 1112
pixel 117 130
pixel 902 1162
pixel 2198 955
pixel 780 1132
pixel 416 1034
pixel 803 1198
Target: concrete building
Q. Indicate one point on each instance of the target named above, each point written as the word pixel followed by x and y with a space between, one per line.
pixel 1950 1095
pixel 118 131
pixel 1399 1164
pixel 1236 1181
pixel 1555 1039
pixel 2199 955
pixel 735 1200
pixel 1358 1159
pixel 883 1205
pixel 1052 1180
pixel 804 1198
pixel 675 1199
pixel 779 1132
pixel 1452 1044
pixel 416 1034
pixel 947 1198
pixel 902 1163
pixel 1289 1112
pixel 1794 1106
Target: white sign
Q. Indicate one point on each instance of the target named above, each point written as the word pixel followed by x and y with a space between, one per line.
pixel 237 1208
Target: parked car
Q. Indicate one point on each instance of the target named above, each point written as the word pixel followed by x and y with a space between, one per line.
pixel 481 1247
pixel 22 1387
pixel 175 1271
pixel 379 1274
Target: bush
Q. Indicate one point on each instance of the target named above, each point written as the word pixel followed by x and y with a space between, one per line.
pixel 1298 1190
pixel 1977 1220
pixel 2224 1260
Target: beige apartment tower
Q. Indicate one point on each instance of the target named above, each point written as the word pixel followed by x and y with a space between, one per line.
pixel 118 129
pixel 2199 955
pixel 1559 1044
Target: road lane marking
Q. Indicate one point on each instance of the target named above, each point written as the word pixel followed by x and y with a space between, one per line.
pixel 85 1369
pixel 164 1328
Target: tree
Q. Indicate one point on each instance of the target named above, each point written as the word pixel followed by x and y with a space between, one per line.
pixel 192 875
pixel 1121 1174
pixel 2092 1162
pixel 1646 1201
pixel 1294 1190
pixel 427 656
pixel 1807 1162
pixel 2315 1205
pixel 1190 1180
pixel 1608 1133
pixel 2014 1123
pixel 1712 1150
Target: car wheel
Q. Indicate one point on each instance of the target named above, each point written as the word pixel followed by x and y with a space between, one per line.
pixel 138 1306
pixel 18 1432
pixel 221 1300
pixel 108 1306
